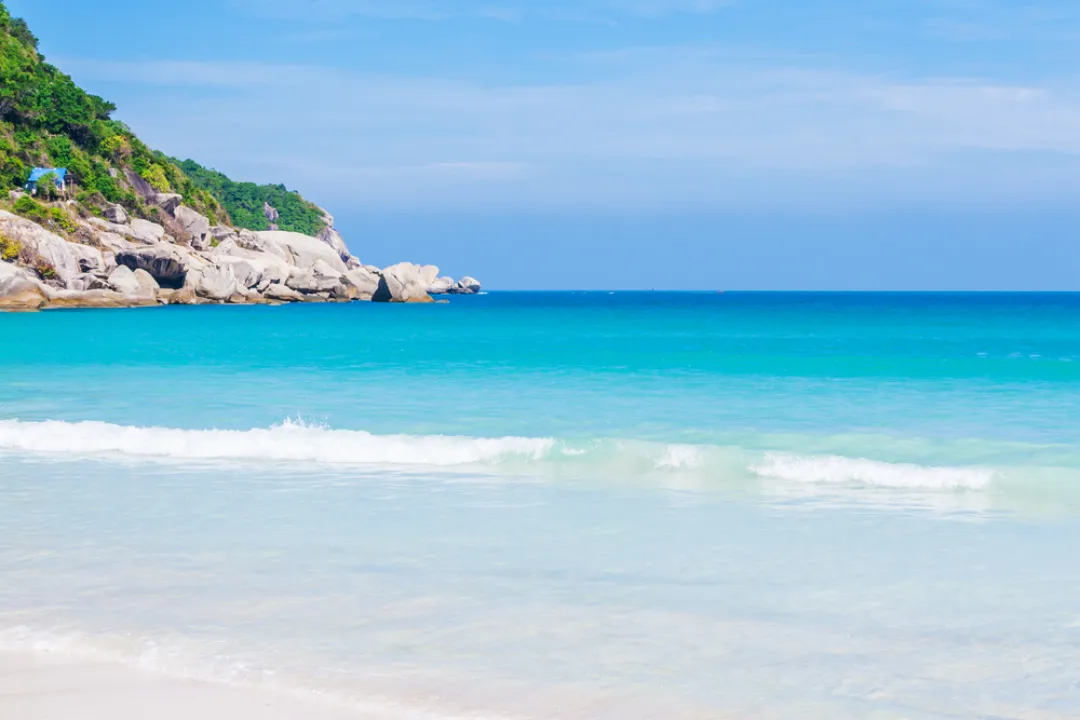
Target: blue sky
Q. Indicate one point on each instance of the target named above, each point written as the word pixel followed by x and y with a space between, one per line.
pixel 760 144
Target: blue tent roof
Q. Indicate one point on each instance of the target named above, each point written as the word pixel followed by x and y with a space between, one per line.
pixel 38 173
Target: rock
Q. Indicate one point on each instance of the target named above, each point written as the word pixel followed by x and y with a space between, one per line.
pixel 271 213
pixel 89 281
pixel 14 195
pixel 19 290
pixel 146 281
pixel 147 232
pixel 168 201
pixel 116 214
pixel 67 258
pixel 429 273
pixel 165 263
pixel 402 283
pixel 98 299
pixel 346 293
pixel 467 286
pixel 222 233
pixel 257 272
pixel 123 281
pixel 320 277
pixel 365 281
pixel 214 282
pixel 113 242
pixel 139 230
pixel 183 296
pixel 285 293
pixel 441 286
pixel 196 225
pixel 299 250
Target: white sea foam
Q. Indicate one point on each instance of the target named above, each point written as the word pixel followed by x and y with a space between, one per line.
pixel 294 441
pixel 288 442
pixel 837 470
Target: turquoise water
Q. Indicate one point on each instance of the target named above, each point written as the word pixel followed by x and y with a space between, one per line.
pixel 579 505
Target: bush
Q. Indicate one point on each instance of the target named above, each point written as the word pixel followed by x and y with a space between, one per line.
pixel 155 175
pixel 52 217
pixel 9 249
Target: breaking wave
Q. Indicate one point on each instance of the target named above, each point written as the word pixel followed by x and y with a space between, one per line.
pixel 297 442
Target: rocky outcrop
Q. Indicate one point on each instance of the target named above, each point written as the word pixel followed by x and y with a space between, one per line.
pixel 66 259
pixel 19 290
pixel 442 286
pixel 402 283
pixel 119 261
pixel 165 263
pixel 299 250
pixel 467 286
pixel 365 280
pixel 195 225
pixel 320 277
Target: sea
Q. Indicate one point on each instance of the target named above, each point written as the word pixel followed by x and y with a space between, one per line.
pixel 624 506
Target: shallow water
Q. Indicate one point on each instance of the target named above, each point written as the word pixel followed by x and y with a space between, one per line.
pixel 635 505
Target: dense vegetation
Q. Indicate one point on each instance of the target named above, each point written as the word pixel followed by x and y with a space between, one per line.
pixel 244 201
pixel 46 120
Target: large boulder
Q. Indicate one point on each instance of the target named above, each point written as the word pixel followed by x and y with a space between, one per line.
pixel 430 273
pixel 442 286
pixel 223 233
pixel 168 201
pixel 196 225
pixel 112 242
pixel 402 283
pixel 256 271
pixel 365 281
pixel 214 282
pixel 167 264
pixel 147 283
pixel 123 281
pixel 467 286
pixel 67 258
pixel 19 290
pixel 145 231
pixel 140 231
pixel 299 250
pixel 282 293
pixel 320 277
pixel 116 214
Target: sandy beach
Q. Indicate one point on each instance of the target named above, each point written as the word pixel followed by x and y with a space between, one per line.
pixel 43 687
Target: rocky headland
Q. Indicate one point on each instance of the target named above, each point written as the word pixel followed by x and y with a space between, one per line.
pixel 104 258
pixel 90 217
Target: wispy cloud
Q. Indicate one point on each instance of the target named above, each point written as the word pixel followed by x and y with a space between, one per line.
pixel 683 124
pixel 507 10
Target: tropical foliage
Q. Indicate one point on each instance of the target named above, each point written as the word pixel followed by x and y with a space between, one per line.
pixel 46 120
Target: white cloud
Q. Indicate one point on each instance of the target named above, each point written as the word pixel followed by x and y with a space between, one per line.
pixel 667 127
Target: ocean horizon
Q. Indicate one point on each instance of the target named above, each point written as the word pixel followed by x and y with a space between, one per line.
pixel 573 504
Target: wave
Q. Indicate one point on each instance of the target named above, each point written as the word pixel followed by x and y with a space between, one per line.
pixel 298 442
pixel 836 470
pixel 291 441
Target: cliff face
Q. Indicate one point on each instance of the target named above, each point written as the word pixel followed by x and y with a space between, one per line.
pixel 131 226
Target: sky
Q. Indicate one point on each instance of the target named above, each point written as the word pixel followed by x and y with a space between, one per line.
pixel 617 144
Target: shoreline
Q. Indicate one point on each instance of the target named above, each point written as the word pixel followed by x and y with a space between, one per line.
pixel 48 686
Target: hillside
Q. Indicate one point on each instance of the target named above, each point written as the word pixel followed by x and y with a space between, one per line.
pixel 46 120
pixel 90 217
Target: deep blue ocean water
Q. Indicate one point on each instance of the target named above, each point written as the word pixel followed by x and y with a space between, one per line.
pixel 581 505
